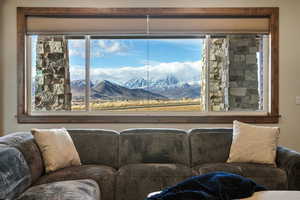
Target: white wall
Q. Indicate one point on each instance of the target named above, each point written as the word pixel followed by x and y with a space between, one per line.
pixel 289 59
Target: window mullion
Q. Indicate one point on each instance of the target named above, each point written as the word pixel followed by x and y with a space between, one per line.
pixel 227 78
pixel 266 74
pixel 87 72
pixel 29 92
pixel 207 63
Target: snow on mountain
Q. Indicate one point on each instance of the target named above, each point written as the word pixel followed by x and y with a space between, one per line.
pixel 168 81
pixel 136 83
pixel 78 88
pixel 169 86
pixel 79 85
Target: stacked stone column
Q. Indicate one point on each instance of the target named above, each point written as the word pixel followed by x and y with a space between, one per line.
pixel 52 81
pixel 215 67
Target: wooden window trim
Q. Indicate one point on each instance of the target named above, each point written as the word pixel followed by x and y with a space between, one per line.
pixel 23 12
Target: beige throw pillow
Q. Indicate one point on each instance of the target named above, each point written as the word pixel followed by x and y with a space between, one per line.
pixel 57 147
pixel 253 144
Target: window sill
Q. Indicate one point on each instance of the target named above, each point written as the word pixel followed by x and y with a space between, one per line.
pixel 216 119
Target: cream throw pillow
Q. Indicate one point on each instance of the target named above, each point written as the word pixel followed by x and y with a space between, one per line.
pixel 253 144
pixel 57 147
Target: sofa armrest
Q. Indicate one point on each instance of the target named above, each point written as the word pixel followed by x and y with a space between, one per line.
pixel 289 161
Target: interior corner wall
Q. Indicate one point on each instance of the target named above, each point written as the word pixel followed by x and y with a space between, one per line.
pixel 289 60
pixel 1 68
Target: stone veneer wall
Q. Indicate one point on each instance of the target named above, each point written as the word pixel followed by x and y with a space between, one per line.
pixel 233 73
pixel 218 70
pixel 243 73
pixel 52 82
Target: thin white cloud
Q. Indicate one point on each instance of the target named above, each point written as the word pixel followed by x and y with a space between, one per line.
pixel 186 72
pixel 96 53
pixel 80 43
pixel 77 48
pixel 77 72
pixel 112 46
pixel 76 52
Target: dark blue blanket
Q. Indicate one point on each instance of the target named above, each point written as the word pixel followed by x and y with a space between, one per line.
pixel 213 186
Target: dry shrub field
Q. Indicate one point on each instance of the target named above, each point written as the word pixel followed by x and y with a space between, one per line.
pixel 141 105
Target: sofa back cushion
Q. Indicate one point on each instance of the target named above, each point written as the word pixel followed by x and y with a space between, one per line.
pixel 209 145
pixel 15 174
pixel 25 143
pixel 153 146
pixel 96 146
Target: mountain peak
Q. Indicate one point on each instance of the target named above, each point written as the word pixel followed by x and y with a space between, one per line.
pixel 105 82
pixel 112 91
pixel 80 83
pixel 136 83
pixel 169 80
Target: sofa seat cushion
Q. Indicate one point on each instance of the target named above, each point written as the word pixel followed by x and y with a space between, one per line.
pixel 135 181
pixel 103 175
pixel 64 190
pixel 271 177
pixel 214 167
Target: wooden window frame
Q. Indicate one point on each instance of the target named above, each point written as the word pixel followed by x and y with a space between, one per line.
pixel 24 116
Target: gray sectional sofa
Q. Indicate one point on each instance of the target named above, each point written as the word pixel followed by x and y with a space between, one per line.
pixel 130 164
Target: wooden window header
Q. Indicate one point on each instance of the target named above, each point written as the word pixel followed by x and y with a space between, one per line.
pixel 138 25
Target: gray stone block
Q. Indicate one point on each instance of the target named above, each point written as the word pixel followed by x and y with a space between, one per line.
pixel 251 75
pixel 238 91
pixel 251 59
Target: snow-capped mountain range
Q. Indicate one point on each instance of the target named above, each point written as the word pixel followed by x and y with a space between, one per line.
pixel 169 87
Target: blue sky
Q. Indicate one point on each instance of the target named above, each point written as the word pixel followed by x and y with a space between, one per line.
pixel 122 59
pixel 134 52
